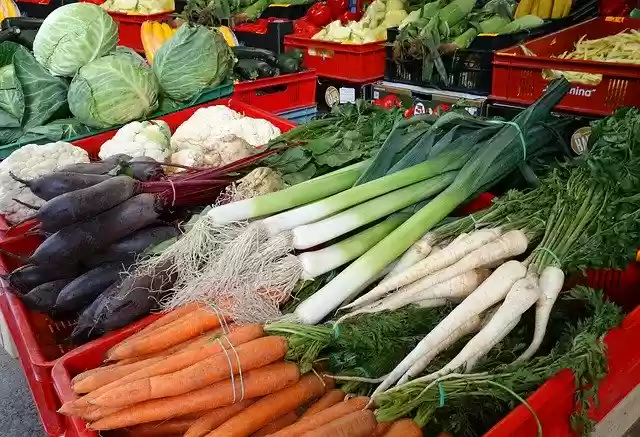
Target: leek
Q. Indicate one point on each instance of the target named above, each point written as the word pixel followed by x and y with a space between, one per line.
pixel 484 167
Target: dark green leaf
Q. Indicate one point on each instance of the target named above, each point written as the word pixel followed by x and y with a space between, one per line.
pixel 44 94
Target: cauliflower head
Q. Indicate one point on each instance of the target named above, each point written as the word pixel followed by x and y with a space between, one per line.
pixel 30 162
pixel 224 150
pixel 208 125
pixel 136 139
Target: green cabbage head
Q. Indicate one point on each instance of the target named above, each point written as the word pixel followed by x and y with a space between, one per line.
pixel 193 60
pixel 72 36
pixel 113 90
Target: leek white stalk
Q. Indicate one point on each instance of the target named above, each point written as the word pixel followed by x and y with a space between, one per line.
pixel 300 194
pixel 313 234
pixel 318 262
pixel 339 202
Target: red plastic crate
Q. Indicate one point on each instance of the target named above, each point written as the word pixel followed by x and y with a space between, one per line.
pixel 518 78
pixel 84 358
pixel 92 144
pixel 359 63
pixel 46 337
pixel 129 26
pixel 281 93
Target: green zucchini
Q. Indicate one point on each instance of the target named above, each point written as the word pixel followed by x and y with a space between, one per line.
pixel 247 69
pixel 266 70
pixel 243 52
pixel 288 63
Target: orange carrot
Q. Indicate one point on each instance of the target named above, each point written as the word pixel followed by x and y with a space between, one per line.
pixel 80 376
pixel 271 407
pixel 326 401
pixel 360 423
pixel 181 360
pixel 160 429
pixel 382 429
pixel 282 422
pixel 108 375
pixel 215 418
pixel 256 383
pixel 92 413
pixel 321 418
pixel 404 428
pixel 247 356
pixel 169 317
pixel 176 332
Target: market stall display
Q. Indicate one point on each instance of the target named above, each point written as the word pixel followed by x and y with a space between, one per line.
pixel 89 83
pixel 336 277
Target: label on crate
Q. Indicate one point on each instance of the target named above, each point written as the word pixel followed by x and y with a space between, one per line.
pixel 580 140
pixel 331 96
pixel 614 19
pixel 347 95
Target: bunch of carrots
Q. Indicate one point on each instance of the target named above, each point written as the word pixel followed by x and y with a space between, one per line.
pixel 192 374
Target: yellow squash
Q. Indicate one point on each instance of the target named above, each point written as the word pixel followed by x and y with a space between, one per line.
pixel 524 8
pixel 544 9
pixel 154 34
pixel 8 9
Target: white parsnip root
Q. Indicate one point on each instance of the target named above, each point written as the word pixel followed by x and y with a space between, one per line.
pixel 490 292
pixel 455 289
pixel 416 253
pixel 448 256
pixel 550 284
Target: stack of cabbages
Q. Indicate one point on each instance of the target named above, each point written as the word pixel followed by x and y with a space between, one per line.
pixel 77 79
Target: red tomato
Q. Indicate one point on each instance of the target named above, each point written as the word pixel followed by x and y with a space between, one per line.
pixel 337 8
pixel 350 16
pixel 319 15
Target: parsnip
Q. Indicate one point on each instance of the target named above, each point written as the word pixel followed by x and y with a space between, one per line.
pixel 445 258
pixel 490 292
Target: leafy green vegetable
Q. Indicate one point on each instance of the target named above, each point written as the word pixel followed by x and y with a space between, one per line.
pixel 193 60
pixel 350 133
pixel 113 90
pixel 74 35
pixel 11 97
pixel 56 131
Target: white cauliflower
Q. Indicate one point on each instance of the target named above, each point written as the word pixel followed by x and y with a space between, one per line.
pixel 214 127
pixel 29 162
pixel 224 150
pixel 136 139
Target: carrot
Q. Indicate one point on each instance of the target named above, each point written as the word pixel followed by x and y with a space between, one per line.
pixel 326 401
pixel 271 407
pixel 160 429
pixel 360 423
pixel 381 429
pixel 247 356
pixel 256 383
pixel 109 374
pixel 180 360
pixel 323 417
pixel 176 332
pixel 280 423
pixel 80 376
pixel 167 318
pixel 92 413
pixel 404 428
pixel 215 418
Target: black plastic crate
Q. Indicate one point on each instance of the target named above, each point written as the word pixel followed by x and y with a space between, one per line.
pixel 290 12
pixel 470 70
pixel 272 40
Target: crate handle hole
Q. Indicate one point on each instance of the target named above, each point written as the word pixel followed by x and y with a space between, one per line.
pixel 272 90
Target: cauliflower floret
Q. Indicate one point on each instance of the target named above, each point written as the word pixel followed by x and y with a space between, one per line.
pixel 222 151
pixel 136 139
pixel 29 162
pixel 255 131
pixel 261 180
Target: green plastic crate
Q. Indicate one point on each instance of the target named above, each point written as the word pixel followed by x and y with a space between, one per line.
pixel 224 90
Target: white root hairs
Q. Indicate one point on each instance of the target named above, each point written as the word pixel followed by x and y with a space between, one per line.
pixel 249 276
